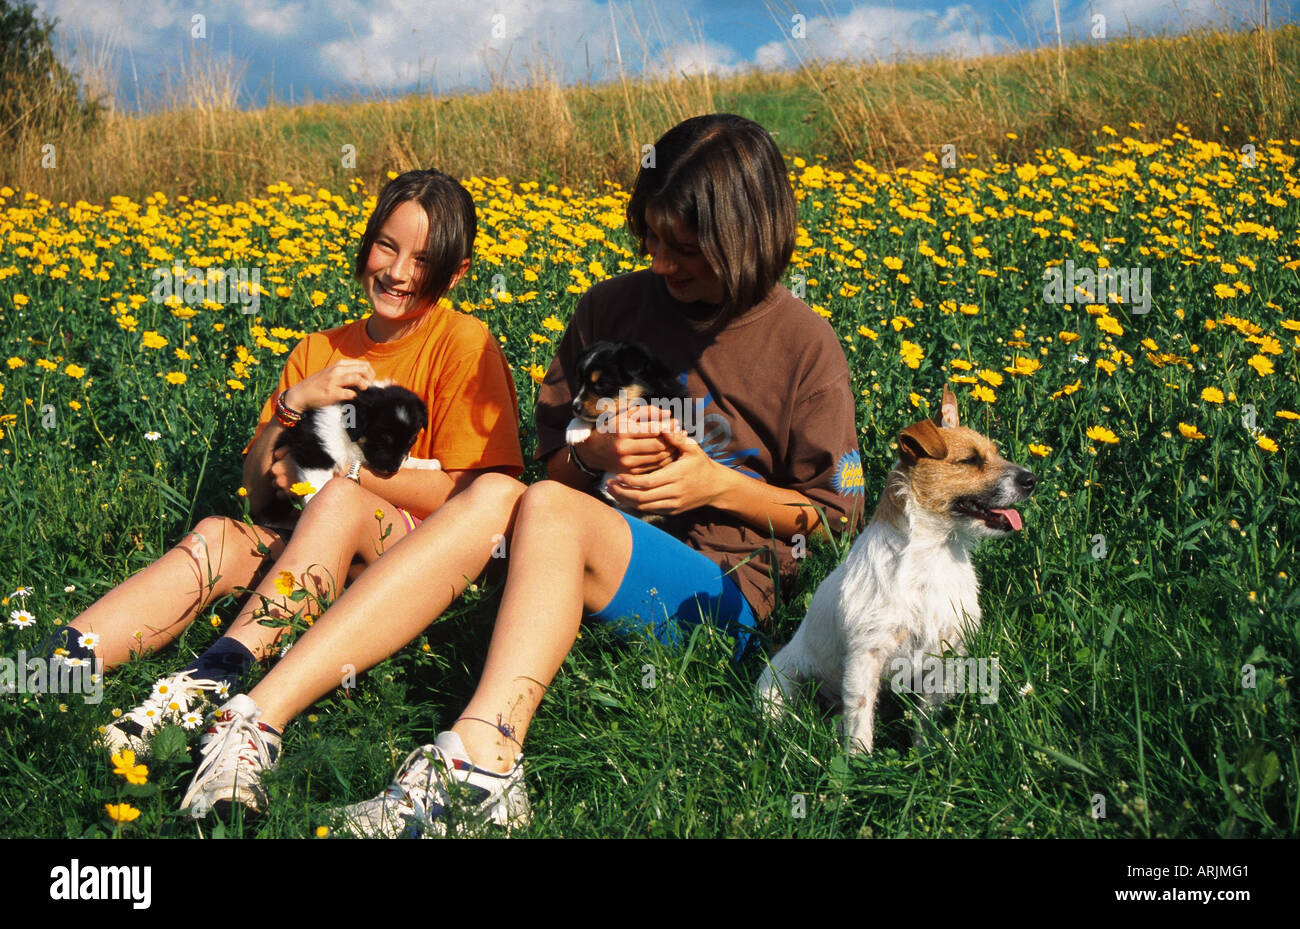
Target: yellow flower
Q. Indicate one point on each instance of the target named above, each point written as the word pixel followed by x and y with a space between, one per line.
pixel 1190 432
pixel 1224 291
pixel 1287 414
pixel 1263 367
pixel 74 371
pixel 1040 451
pixel 16 362
pixel 21 300
pixel 1267 444
pixel 243 491
pixel 867 333
pixel 234 384
pixel 536 372
pixel 552 323
pixel 1068 337
pixel 322 831
pixel 152 339
pixel 983 393
pixel 122 812
pixel 1102 434
pixel 1023 366
pixel 284 583
pixel 302 489
pixel 893 264
pixel 1212 395
pixel 215 622
pixel 991 377
pixel 911 354
pixel 1109 324
pixel 176 377
pixel 1068 389
pixel 124 764
pixel 961 365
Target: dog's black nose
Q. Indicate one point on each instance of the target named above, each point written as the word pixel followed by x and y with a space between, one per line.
pixel 1026 480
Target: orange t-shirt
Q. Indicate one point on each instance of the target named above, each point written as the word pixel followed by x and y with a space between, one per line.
pixel 452 362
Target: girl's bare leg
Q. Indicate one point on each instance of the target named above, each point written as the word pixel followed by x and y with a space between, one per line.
pixel 152 607
pixel 388 605
pixel 338 524
pixel 568 554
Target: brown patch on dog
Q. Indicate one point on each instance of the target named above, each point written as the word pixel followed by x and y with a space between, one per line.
pixel 972 466
pixel 591 401
pixel 889 507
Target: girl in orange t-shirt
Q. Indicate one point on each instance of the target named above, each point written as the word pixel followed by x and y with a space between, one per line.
pixel 417 246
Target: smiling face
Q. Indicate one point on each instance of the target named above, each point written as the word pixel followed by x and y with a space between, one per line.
pixel 393 273
pixel 676 257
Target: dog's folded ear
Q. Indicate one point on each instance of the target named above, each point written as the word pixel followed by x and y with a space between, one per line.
pixel 921 440
pixel 948 409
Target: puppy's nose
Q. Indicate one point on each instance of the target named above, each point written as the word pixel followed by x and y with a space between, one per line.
pixel 1026 480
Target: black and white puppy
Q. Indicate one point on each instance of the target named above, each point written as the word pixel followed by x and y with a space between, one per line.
pixel 613 377
pixel 376 428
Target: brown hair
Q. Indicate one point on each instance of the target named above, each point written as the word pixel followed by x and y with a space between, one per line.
pixel 724 176
pixel 453 224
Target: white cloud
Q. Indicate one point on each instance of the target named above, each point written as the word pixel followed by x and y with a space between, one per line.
pixel 694 58
pixel 1172 15
pixel 392 43
pixel 885 32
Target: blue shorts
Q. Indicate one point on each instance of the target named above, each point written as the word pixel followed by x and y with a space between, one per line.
pixel 669 588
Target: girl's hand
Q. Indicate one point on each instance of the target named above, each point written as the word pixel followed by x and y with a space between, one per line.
pixel 284 470
pixel 634 445
pixel 690 481
pixel 335 384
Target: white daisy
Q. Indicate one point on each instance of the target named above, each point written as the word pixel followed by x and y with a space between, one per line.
pixel 191 720
pixel 20 592
pixel 153 436
pixel 89 640
pixel 76 662
pixel 223 690
pixel 70 588
pixel 21 618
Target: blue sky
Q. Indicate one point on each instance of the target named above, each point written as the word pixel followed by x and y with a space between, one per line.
pixel 323 49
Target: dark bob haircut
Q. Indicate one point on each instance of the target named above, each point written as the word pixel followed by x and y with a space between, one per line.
pixel 724 177
pixel 453 224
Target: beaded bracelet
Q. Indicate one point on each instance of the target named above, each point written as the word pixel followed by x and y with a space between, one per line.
pixel 287 416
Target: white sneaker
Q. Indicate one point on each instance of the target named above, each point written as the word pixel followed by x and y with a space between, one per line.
pixel 236 749
pixel 436 785
pixel 179 698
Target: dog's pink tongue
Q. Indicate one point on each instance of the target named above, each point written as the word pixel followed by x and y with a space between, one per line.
pixel 1013 517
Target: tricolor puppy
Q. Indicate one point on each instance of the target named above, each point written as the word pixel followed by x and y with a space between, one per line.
pixel 376 428
pixel 612 377
pixel 907 589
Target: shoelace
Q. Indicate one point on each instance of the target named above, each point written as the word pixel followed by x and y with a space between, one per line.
pixel 253 753
pixel 415 781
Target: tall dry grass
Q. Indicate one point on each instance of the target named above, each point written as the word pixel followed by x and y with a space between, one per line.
pixel 197 140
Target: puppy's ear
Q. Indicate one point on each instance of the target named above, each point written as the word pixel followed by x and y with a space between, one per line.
pixel 356 412
pixel 921 440
pixel 948 409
